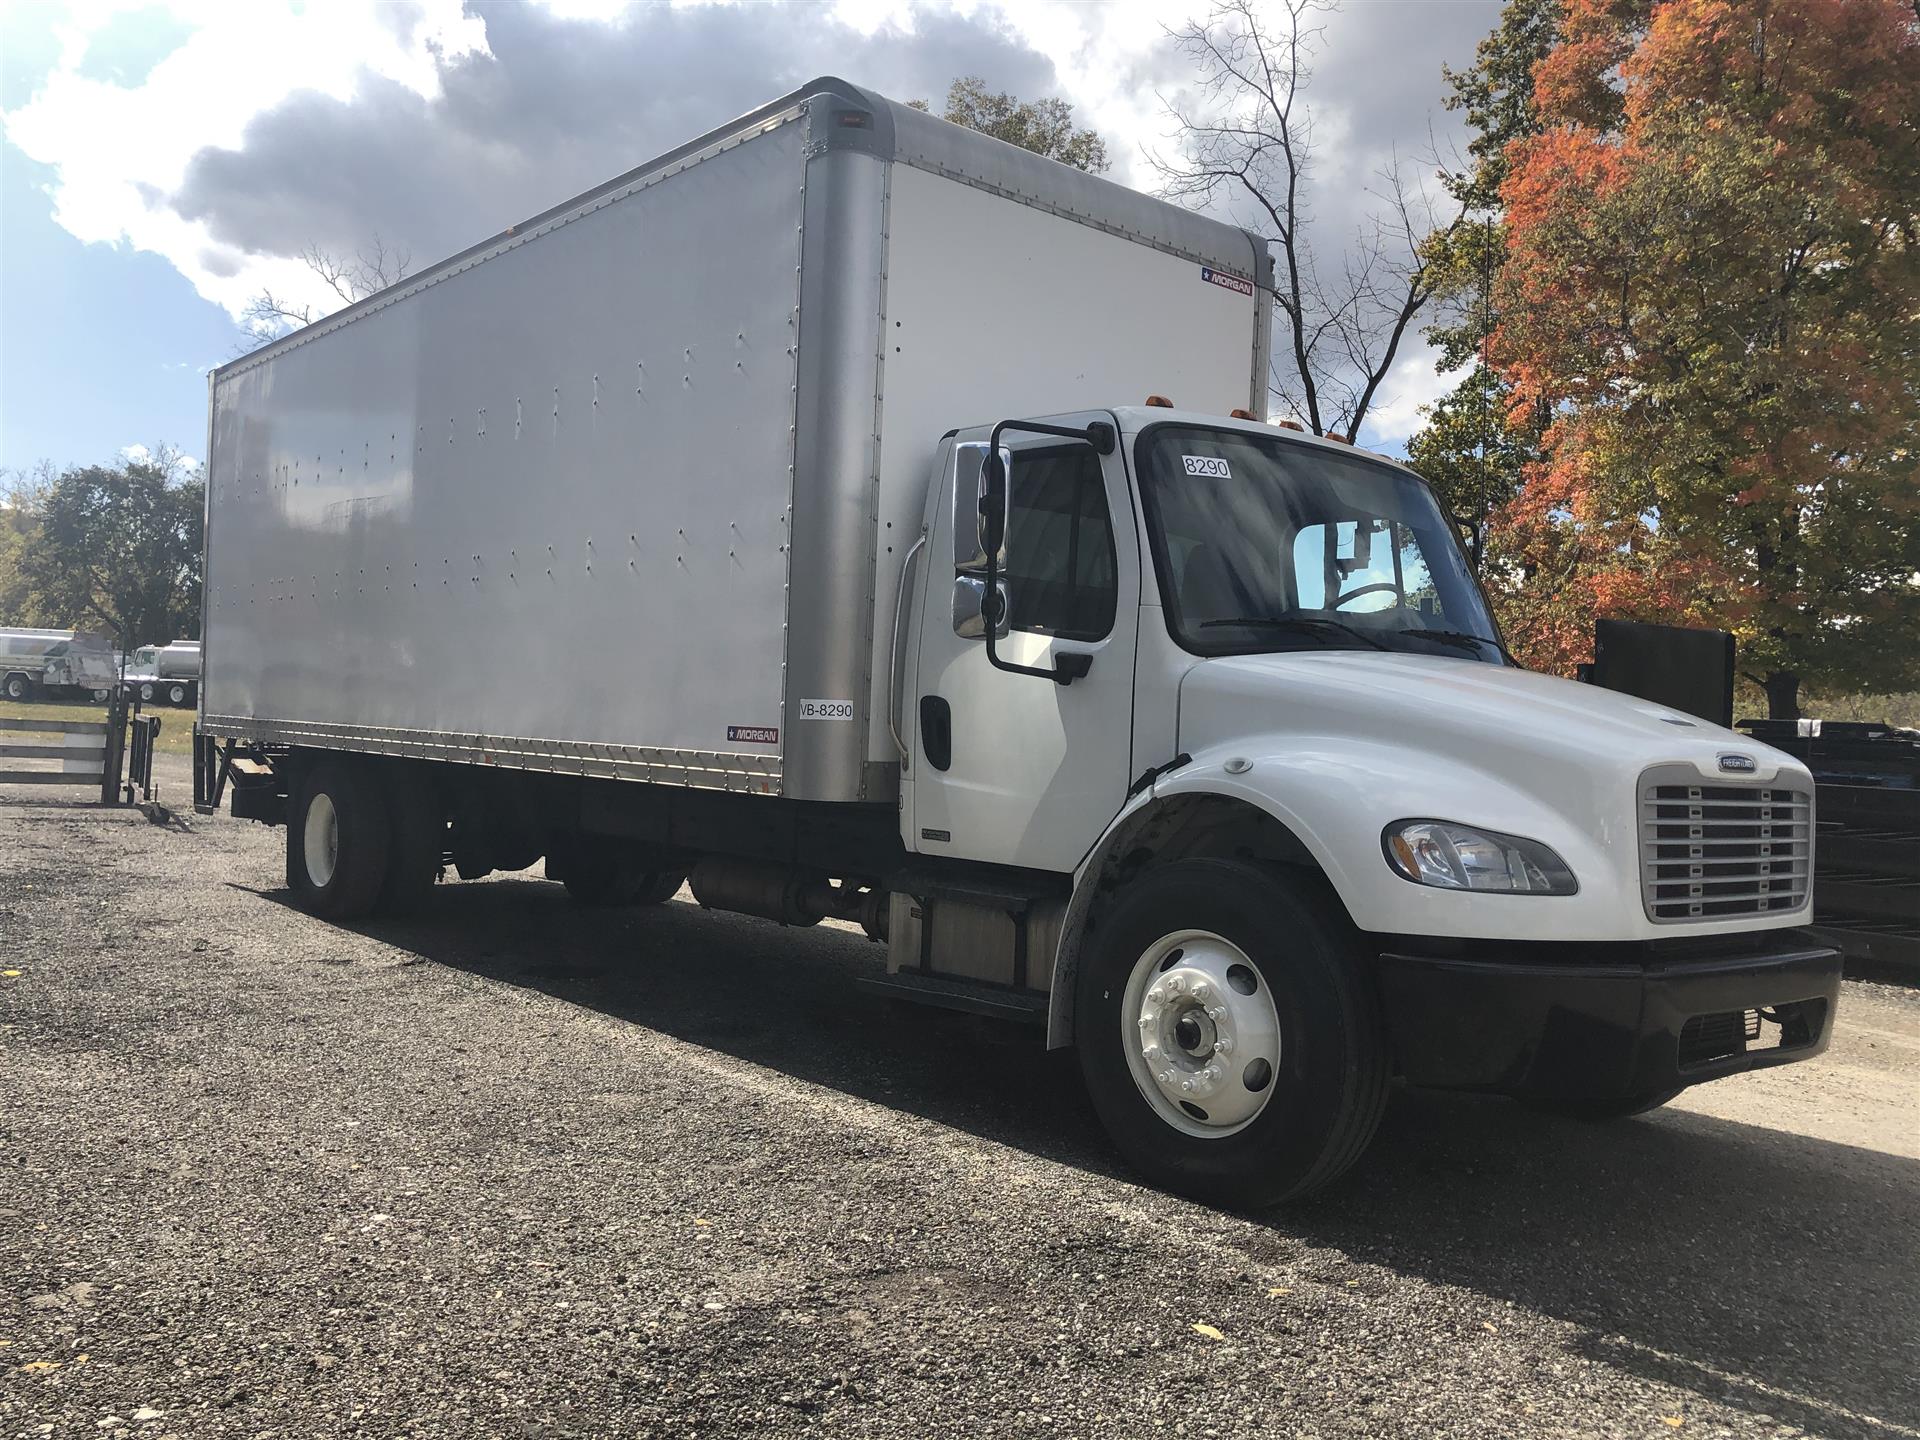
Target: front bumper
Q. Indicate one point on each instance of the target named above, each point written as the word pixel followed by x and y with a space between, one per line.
pixel 1600 1021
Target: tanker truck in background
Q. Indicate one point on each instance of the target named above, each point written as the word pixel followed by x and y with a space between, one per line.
pixel 810 472
pixel 166 673
pixel 56 664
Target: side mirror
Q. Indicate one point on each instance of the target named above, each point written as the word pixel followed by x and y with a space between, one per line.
pixel 993 504
pixel 978 517
pixel 970 607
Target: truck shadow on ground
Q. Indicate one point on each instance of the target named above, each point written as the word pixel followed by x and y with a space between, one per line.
pixel 1690 1250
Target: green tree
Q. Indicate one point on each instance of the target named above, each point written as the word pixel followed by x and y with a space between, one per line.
pixel 1713 287
pixel 20 495
pixel 1042 126
pixel 118 549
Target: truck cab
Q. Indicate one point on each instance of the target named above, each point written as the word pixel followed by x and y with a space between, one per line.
pixel 1241 685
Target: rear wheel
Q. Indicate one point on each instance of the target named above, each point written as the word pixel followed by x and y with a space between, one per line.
pixel 176 694
pixel 418 841
pixel 1226 1034
pixel 338 840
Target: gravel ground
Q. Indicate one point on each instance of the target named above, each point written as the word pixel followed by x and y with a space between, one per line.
pixel 515 1170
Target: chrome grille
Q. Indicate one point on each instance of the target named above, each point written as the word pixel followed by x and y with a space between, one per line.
pixel 1713 852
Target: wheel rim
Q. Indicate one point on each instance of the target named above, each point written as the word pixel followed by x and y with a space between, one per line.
pixel 321 839
pixel 1201 1034
pixel 177 694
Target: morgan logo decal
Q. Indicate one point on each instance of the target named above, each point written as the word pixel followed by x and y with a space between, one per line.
pixel 1738 764
pixel 1226 280
pixel 754 734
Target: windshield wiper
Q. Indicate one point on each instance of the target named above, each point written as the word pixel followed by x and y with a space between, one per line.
pixel 1313 624
pixel 1461 639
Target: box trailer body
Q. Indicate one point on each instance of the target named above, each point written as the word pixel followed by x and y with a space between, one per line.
pixel 783 515
pixel 688 415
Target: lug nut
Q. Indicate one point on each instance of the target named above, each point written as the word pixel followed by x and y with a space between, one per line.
pixel 1201 990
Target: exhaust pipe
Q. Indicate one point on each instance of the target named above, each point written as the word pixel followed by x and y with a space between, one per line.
pixel 791 897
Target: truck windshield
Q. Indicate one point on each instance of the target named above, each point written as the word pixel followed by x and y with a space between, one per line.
pixel 1264 544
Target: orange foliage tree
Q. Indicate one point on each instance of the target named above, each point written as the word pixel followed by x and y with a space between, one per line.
pixel 1712 289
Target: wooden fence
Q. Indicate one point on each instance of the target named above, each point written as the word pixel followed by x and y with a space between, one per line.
pixel 83 753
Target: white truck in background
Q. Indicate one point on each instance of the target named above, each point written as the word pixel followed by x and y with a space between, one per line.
pixel 804 469
pixel 169 673
pixel 56 663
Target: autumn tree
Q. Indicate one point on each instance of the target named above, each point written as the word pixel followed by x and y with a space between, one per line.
pixel 1246 144
pixel 1475 446
pixel 1712 288
pixel 118 547
pixel 1043 126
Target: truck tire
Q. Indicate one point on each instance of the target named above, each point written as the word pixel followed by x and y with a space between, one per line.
pixel 338 840
pixel 19 687
pixel 1201 952
pixel 417 845
pixel 176 694
pixel 146 692
pixel 1616 1107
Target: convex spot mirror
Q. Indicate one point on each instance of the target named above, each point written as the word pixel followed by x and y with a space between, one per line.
pixel 979 507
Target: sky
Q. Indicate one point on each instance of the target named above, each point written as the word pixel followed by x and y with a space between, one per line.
pixel 163 163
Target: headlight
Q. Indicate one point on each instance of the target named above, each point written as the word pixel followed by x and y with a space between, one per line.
pixel 1457 857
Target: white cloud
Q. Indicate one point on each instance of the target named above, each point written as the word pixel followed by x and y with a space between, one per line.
pixel 118 150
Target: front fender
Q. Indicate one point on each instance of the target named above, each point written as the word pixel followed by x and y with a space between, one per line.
pixel 1336 794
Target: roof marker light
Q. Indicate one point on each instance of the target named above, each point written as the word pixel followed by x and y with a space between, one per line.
pixel 1160 402
pixel 1241 413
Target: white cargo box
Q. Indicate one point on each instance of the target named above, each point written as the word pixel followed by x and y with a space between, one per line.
pixel 625 491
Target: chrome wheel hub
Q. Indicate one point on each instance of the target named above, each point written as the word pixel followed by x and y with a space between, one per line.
pixel 1201 1033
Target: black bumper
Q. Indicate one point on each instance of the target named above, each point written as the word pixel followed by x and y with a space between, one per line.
pixel 1567 1021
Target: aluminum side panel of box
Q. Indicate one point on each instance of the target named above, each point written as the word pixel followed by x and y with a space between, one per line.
pixel 547 495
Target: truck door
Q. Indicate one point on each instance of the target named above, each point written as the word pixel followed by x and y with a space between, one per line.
pixel 1012 768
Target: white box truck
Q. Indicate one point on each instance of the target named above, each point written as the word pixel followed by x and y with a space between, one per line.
pixel 801 470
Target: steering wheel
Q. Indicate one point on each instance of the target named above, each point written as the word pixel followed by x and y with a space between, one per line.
pixel 1364 590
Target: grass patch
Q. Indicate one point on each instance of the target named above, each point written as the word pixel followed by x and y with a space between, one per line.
pixel 176 726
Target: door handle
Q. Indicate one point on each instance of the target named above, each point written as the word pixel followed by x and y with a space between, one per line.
pixel 936 731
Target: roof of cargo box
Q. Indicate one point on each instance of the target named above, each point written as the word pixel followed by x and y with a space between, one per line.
pixel 894 132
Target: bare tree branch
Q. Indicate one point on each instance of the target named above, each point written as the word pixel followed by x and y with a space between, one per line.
pixel 1247 141
pixel 371 268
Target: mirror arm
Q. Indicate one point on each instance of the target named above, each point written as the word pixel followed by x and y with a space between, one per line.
pixel 1073 665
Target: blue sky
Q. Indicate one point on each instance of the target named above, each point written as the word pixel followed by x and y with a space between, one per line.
pixel 155 173
pixel 101 346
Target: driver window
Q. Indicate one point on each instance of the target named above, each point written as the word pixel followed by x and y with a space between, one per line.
pixel 1061 572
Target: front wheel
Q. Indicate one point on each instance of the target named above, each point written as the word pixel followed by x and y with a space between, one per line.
pixel 19 687
pixel 1227 1036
